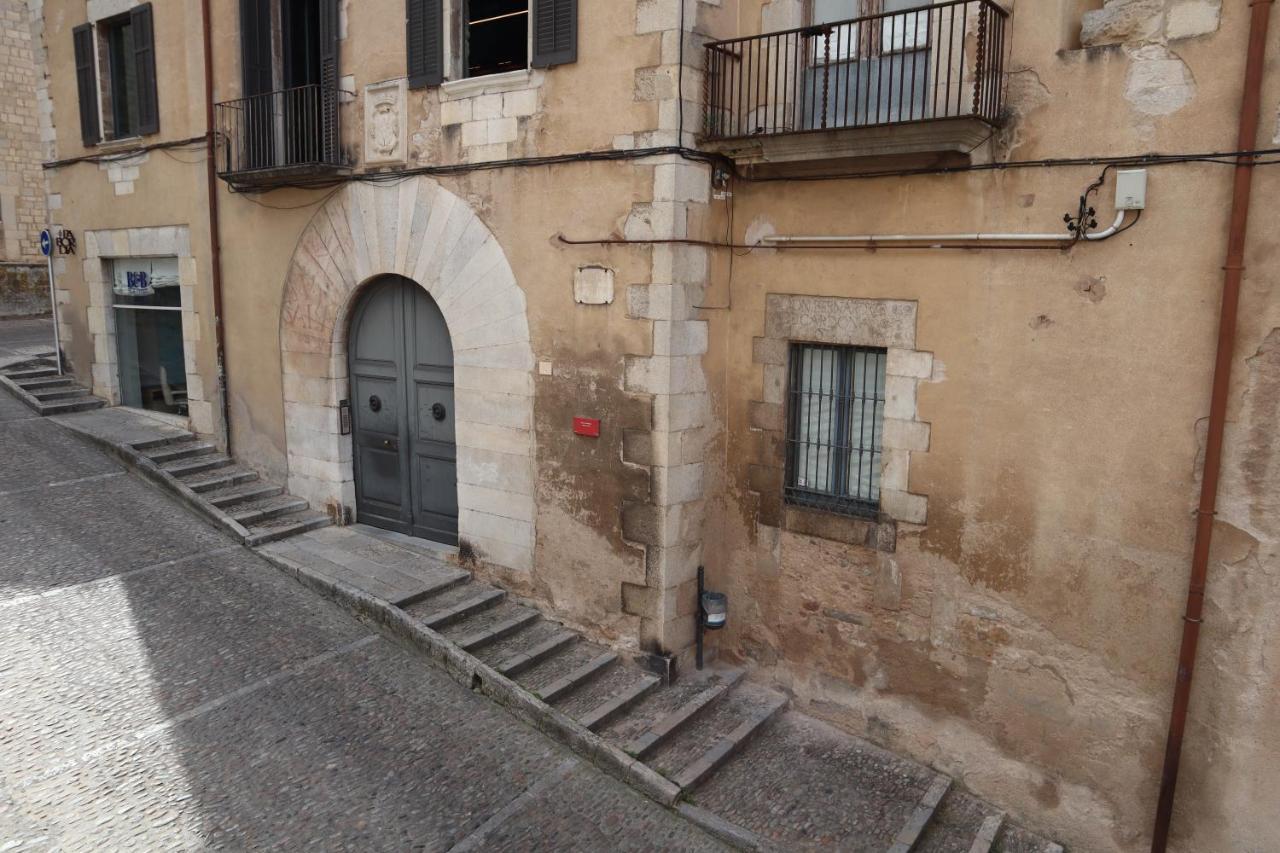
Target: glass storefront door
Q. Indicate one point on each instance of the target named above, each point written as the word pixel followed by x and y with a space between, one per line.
pixel 147 305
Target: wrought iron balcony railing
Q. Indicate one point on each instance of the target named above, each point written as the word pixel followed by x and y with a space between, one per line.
pixel 940 61
pixel 275 136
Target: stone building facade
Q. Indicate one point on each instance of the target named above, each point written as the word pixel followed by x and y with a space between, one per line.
pixel 23 138
pixel 1001 594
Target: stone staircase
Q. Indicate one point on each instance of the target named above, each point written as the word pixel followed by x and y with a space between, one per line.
pixel 36 382
pixel 768 777
pixel 255 511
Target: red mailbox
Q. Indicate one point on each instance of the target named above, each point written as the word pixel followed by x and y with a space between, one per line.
pixel 589 427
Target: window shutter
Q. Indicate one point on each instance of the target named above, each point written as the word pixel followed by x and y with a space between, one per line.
pixel 424 39
pixel 555 32
pixel 87 84
pixel 255 46
pixel 144 60
pixel 329 80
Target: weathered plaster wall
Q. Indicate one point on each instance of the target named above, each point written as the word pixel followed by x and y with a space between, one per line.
pixel 1024 636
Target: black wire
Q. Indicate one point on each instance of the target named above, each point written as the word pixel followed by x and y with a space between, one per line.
pixel 127 153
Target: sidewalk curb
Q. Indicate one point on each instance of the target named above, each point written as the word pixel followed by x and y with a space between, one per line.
pixel 155 474
pixel 480 677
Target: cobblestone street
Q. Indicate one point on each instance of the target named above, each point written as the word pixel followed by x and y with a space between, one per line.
pixel 164 688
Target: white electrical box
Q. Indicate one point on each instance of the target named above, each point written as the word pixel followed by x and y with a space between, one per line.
pixel 1131 189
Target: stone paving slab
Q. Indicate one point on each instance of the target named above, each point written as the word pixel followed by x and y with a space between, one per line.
pixel 208 702
pixel 12 409
pixel 809 786
pixel 91 529
pixel 121 425
pixel 35 453
pixel 554 817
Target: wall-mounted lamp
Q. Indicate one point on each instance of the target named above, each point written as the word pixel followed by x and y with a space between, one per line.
pixel 713 611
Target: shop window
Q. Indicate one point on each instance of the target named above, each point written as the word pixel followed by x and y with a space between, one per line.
pixel 835 428
pixel 496 36
pixel 147 304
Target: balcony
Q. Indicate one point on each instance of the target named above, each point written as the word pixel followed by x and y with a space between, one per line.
pixel 279 138
pixel 922 85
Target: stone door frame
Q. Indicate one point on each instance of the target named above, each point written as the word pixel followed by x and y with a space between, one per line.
pixel 423 232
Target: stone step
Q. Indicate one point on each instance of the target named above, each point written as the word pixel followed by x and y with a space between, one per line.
pixel 253 512
pixel 522 661
pixel 961 824
pixel 484 635
pixel 235 494
pixel 58 392
pixel 906 839
pixel 728 745
pixel 220 479
pixel 76 404
pixel 54 381
pixel 275 529
pixel 163 441
pixel 619 703
pixel 178 450
pixel 474 602
pixel 182 468
pixel 576 678
pixel 1015 839
pixel 986 837
pixel 30 373
pixel 667 726
pixel 555 666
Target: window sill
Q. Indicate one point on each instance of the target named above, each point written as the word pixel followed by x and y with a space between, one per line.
pixel 878 534
pixel 491 84
pixel 122 142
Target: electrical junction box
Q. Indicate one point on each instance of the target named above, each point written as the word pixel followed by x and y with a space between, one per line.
pixel 1131 189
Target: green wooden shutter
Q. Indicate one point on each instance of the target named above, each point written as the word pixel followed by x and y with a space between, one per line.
pixel 329 81
pixel 144 60
pixel 424 40
pixel 87 84
pixel 555 32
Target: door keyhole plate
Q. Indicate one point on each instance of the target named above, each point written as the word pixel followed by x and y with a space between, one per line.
pixel 375 403
pixel 438 411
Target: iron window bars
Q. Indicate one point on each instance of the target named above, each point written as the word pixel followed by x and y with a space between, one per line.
pixel 940 61
pixel 835 428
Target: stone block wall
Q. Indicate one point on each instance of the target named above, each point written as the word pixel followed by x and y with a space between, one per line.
pixel 22 192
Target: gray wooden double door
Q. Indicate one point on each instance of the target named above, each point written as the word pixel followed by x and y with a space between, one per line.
pixel 401 367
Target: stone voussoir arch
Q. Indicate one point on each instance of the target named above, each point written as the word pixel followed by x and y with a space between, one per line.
pixel 419 230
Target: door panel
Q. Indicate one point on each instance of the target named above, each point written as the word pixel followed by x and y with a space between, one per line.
pixel 403 420
pixel 434 452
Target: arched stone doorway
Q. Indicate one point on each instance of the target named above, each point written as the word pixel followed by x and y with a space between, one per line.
pixel 422 232
pixel 404 449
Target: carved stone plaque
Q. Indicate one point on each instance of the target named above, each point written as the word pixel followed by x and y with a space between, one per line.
pixel 386 123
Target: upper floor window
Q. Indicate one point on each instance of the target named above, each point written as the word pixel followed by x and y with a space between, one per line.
pixel 116 76
pixel 496 37
pixel 835 427
pixel 490 37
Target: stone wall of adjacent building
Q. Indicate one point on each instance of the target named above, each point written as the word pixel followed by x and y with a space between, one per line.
pixel 22 194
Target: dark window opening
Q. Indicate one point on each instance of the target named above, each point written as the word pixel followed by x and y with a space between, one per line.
pixel 497 36
pixel 835 428
pixel 301 37
pixel 120 94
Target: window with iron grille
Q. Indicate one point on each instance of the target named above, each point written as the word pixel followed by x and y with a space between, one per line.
pixel 835 428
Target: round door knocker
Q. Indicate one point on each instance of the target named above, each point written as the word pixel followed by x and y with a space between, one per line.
pixel 437 411
pixel 375 403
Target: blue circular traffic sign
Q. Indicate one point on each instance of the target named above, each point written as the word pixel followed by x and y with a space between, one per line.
pixel 46 243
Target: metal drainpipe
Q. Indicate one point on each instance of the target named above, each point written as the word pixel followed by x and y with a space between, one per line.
pixel 1250 108
pixel 215 243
